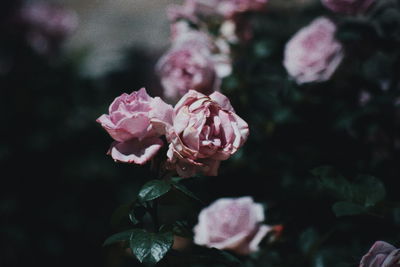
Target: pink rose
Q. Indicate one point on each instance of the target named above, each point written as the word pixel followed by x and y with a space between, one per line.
pixel 381 254
pixel 313 54
pixel 205 131
pixel 136 122
pixel 232 224
pixel 189 64
pixel 348 6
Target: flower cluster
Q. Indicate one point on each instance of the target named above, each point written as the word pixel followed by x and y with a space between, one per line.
pixel 201 130
pixel 198 59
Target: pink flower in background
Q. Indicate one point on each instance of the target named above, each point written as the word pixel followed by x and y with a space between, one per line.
pixel 136 122
pixel 232 224
pixel 188 65
pixel 47 25
pixel 205 131
pixel 229 8
pixel 348 6
pixel 313 54
pixel 196 10
pixel 381 254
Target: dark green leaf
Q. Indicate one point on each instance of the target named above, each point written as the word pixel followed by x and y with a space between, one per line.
pixel 154 189
pixel 175 183
pixel 372 190
pixel 150 248
pixel 180 228
pixel 136 214
pixel 344 208
pixel 123 236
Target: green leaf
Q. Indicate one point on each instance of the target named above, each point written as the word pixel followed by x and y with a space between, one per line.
pixel 180 228
pixel 122 236
pixel 175 183
pixel 150 248
pixel 372 190
pixel 136 214
pixel 154 189
pixel 343 208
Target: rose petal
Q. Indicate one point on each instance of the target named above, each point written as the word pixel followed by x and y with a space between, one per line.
pixel 135 151
pixel 222 100
pixel 379 247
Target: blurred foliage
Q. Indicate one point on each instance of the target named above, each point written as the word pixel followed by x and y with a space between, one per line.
pixel 60 188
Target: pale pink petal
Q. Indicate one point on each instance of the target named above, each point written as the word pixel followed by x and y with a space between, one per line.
pixel 392 259
pixel 222 100
pixel 379 247
pixel 135 151
pixel 137 125
pixel 261 233
pixel 181 120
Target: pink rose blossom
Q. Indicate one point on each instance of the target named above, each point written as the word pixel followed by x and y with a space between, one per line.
pixel 313 54
pixel 205 131
pixel 381 254
pixel 232 224
pixel 348 6
pixel 189 64
pixel 136 122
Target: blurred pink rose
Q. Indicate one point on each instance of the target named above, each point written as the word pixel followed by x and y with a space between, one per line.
pixel 136 122
pixel 205 131
pixel 347 6
pixel 381 254
pixel 313 54
pixel 229 8
pixel 47 24
pixel 189 64
pixel 197 10
pixel 232 224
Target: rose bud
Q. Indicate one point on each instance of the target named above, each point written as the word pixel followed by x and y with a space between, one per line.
pixel 348 6
pixel 136 122
pixel 205 131
pixel 232 224
pixel 313 54
pixel 381 254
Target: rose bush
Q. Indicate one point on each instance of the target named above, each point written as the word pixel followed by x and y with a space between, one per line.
pixel 205 130
pixel 232 224
pixel 136 122
pixel 313 54
pixel 381 254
